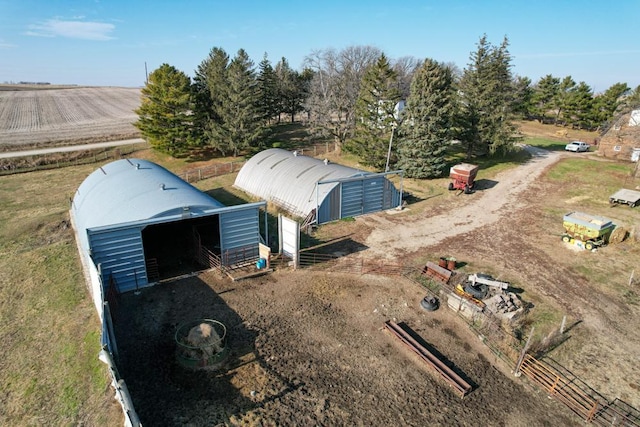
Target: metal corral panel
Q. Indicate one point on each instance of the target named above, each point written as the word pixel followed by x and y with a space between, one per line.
pixel 240 228
pixel 119 253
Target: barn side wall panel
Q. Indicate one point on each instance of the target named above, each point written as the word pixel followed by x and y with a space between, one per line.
pixel 240 230
pixel 329 210
pixel 119 253
pixel 352 199
pixel 373 194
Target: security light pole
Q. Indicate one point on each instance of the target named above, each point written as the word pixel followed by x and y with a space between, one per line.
pixel 393 128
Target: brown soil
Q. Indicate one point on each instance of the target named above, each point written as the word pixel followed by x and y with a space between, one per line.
pixel 309 347
pixel 31 118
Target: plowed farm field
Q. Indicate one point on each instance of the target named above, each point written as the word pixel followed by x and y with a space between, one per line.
pixel 32 117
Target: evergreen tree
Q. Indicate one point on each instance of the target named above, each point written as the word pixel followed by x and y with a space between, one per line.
pixel 562 99
pixel 631 101
pixel 487 102
pixel 375 114
pixel 268 91
pixel 544 95
pixel 241 125
pixel 607 104
pixel 292 89
pixel 165 114
pixel 426 129
pixel 523 97
pixel 578 107
pixel 210 84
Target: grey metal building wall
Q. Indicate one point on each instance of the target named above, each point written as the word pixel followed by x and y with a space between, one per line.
pixel 119 254
pixel 357 196
pixel 239 228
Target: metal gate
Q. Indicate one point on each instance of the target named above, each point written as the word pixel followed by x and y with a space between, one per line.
pixel 578 397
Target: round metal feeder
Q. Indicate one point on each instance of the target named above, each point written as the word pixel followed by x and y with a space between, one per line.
pixel 201 344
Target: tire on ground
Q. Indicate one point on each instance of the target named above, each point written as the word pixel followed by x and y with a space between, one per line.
pixel 430 303
pixel 478 291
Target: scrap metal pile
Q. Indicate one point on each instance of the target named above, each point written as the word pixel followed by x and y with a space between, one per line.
pixel 477 293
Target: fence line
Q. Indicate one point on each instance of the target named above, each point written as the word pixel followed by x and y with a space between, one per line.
pixel 579 397
pixel 219 169
pixel 568 389
pixel 37 162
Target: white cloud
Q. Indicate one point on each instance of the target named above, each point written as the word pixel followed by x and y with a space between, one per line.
pixel 5 45
pixel 72 29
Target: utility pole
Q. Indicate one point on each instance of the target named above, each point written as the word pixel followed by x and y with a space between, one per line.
pixel 393 128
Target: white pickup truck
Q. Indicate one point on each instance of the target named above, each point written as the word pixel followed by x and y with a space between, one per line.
pixel 577 146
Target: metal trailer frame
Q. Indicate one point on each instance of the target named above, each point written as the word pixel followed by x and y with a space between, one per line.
pixel 625 197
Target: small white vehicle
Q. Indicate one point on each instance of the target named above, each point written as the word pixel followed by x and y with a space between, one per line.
pixel 577 146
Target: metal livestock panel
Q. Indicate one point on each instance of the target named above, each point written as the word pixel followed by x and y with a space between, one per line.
pixel 119 253
pixel 352 199
pixel 239 228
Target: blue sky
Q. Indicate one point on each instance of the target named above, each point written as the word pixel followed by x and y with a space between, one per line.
pixel 108 42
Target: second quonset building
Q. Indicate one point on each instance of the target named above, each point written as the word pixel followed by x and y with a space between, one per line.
pixel 312 188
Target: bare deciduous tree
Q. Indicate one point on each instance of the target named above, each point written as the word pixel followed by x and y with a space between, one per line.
pixel 405 67
pixel 335 88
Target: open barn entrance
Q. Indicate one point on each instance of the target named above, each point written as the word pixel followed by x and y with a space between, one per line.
pixel 171 248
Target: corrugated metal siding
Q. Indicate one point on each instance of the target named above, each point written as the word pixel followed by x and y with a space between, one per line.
pixel 329 210
pixel 391 196
pixel 239 228
pixel 290 181
pixel 373 193
pixel 352 199
pixel 300 184
pixel 119 252
pixel 132 190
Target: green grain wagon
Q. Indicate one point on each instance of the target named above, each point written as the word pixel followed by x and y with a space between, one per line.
pixel 592 230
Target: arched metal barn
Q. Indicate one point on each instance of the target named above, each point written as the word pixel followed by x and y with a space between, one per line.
pixel 306 186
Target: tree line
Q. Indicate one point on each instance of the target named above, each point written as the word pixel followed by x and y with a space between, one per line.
pixel 367 104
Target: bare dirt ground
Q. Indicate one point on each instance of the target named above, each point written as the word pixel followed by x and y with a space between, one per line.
pixel 309 348
pixel 56 116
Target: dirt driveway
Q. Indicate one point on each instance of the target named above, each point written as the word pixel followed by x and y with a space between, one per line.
pixel 485 207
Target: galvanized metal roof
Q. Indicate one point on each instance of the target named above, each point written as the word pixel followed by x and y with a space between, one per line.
pixel 289 180
pixel 133 190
